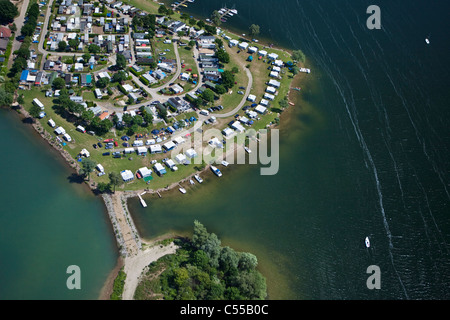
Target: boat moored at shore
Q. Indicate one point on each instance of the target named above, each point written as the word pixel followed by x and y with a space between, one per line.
pixel 216 171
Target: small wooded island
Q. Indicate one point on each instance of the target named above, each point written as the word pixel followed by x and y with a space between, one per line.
pixel 201 269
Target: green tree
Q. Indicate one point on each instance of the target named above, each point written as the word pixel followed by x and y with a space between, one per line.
pixel 184 17
pixel 283 103
pixel 20 99
pixel 73 43
pixel 228 259
pixel 162 9
pixel 93 48
pixel 223 56
pixel 228 79
pixel 115 179
pixel 121 62
pixel 103 187
pixel 7 12
pixel 210 29
pixel 58 83
pixel 87 166
pixel 35 111
pixel 247 261
pixel 295 70
pixel 201 24
pixel 192 22
pixel 86 56
pixel 102 82
pixel 120 76
pixel 254 30
pixel 251 284
pixel 6 98
pixel 220 89
pixel 200 235
pixel 87 115
pixel 62 45
pixel 208 95
pixel 215 18
pixel 298 55
pixel 133 129
pixel 212 249
pixel 138 120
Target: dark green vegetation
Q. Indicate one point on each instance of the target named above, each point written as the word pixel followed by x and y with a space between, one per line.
pixel 119 282
pixel 7 11
pixel 203 270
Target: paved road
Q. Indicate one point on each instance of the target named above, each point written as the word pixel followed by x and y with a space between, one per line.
pixel 19 21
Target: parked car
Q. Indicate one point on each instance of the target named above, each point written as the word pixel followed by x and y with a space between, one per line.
pixel 95 146
pixel 106 153
pixel 100 145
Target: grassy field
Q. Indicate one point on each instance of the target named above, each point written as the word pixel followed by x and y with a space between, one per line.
pixel 83 140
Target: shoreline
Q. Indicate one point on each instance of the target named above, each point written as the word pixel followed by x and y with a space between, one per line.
pixel 122 196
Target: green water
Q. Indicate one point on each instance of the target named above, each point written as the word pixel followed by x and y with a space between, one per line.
pixel 47 223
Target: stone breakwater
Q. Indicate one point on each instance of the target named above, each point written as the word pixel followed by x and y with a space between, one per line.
pixel 127 237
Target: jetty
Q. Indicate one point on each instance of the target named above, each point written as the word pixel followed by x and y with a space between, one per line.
pixel 143 203
pixel 226 13
pixel 176 5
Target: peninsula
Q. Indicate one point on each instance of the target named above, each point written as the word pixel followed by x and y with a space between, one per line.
pixel 118 87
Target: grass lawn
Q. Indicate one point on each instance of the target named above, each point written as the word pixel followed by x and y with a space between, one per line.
pixel 83 140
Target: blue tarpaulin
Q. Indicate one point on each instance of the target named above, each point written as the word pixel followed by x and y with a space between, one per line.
pixel 24 75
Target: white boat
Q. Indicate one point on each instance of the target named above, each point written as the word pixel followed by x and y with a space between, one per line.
pixel 224 163
pixel 248 150
pixel 182 190
pixel 367 241
pixel 234 11
pixel 216 171
pixel 191 181
pixel 197 177
pixel 427 41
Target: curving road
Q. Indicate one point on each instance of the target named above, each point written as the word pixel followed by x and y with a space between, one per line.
pixel 153 92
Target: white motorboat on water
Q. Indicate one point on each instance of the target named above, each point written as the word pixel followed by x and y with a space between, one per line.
pixel 248 150
pixel 216 171
pixel 367 242
pixel 191 181
pixel 197 177
pixel 427 40
pixel 224 163
pixel 182 190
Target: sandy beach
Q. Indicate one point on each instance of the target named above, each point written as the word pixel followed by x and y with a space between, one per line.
pixel 135 265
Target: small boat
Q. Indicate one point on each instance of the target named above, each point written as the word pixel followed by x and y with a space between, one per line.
pixel 291 103
pixel 224 163
pixel 191 181
pixel 197 177
pixel 182 190
pixel 367 242
pixel 427 41
pixel 248 150
pixel 216 171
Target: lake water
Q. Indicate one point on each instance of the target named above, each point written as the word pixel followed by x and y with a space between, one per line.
pixel 47 223
pixel 367 154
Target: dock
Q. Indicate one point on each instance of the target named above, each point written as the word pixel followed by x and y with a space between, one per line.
pixel 225 13
pixel 143 203
pixel 176 5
